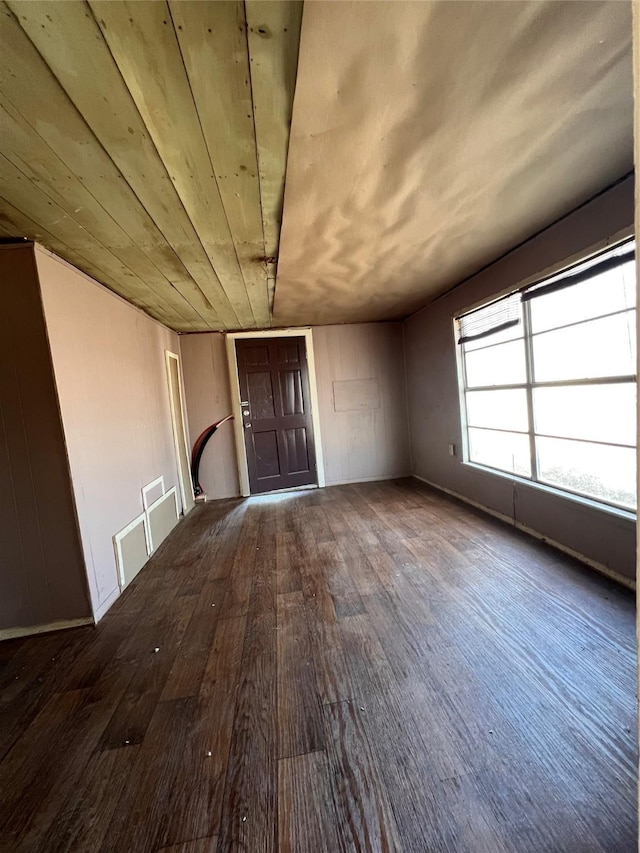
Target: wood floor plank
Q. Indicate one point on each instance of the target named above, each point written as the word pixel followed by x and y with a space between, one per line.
pixel 288 576
pixel 332 674
pixel 299 720
pixel 249 814
pixel 372 667
pixel 307 821
pixel 146 805
pixel 200 845
pixel 366 659
pixel 189 663
pixel 86 817
pixel 199 788
pixel 434 806
pixel 31 753
pixel 65 770
pixel 154 663
pixel 236 602
pixel 37 679
pixel 364 813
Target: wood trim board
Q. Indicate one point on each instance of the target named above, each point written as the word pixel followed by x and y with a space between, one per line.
pixel 159 481
pixel 186 488
pixel 63 624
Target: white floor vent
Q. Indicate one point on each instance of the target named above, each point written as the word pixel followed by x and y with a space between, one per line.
pixel 162 517
pixel 132 549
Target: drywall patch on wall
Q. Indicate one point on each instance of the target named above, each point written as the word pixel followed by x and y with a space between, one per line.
pixel 353 395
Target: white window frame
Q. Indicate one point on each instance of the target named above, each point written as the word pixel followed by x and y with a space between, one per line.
pixel 529 385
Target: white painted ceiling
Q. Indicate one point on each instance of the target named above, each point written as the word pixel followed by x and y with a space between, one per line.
pixel 430 137
pixel 146 142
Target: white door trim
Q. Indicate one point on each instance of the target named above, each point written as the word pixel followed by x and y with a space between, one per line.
pixel 168 356
pixel 241 450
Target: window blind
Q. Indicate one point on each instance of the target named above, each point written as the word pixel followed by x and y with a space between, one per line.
pixel 490 319
pixel 604 262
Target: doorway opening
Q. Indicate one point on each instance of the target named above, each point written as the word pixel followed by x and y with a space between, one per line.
pixel 276 411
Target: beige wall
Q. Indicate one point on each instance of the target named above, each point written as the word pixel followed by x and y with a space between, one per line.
pixel 208 399
pixel 369 443
pixel 109 362
pixel 42 579
pixel 434 410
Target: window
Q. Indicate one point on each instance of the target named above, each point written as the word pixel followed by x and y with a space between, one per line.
pixel 548 378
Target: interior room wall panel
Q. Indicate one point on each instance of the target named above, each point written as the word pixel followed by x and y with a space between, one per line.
pixel 109 361
pixel 366 439
pixel 434 409
pixel 42 579
pixel 208 399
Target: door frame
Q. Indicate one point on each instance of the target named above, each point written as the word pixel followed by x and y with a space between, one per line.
pixel 234 380
pixel 168 355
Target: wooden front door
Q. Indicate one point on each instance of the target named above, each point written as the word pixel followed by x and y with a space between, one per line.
pixel 276 413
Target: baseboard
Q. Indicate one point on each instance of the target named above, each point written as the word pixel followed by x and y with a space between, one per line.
pixel 367 479
pixel 102 609
pixel 593 564
pixel 285 491
pixel 62 625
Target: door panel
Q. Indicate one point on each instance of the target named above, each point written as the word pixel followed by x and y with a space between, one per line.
pixel 260 395
pixel 291 392
pixel 274 389
pixel 297 450
pixel 265 447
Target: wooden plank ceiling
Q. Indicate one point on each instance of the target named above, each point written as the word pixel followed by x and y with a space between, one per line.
pixel 146 143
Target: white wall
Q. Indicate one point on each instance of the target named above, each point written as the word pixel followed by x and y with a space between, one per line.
pixel 109 364
pixel 362 444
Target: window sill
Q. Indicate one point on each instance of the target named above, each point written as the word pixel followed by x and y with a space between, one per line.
pixel 618 512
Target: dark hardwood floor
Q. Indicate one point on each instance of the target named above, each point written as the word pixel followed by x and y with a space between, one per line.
pixel 360 668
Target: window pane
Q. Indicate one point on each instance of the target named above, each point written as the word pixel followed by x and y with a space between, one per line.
pixel 499 409
pixel 596 470
pixel 507 451
pixel 500 365
pixel 610 291
pixel 604 347
pixel 593 412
